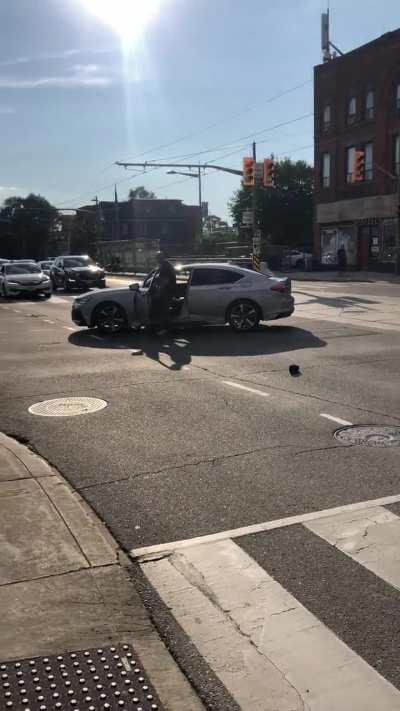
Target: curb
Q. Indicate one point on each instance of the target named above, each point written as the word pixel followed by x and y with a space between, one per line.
pixel 101 551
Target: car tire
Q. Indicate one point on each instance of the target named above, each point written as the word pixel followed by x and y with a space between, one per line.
pixel 101 285
pixel 110 318
pixel 46 296
pixel 244 315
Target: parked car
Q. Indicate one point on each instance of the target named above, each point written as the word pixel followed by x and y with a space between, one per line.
pixel 297 259
pixel 18 278
pixel 76 272
pixel 205 294
pixel 46 266
pixel 4 261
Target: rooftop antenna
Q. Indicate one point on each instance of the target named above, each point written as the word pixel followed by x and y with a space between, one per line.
pixel 326 44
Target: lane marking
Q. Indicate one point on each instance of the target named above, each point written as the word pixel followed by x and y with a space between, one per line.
pixel 260 527
pixel 244 387
pixel 259 639
pixel 371 539
pixel 336 419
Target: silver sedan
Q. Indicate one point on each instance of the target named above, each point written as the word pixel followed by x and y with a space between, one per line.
pixel 206 293
pixel 18 278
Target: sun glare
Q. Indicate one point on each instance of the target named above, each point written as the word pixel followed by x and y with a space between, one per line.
pixel 128 18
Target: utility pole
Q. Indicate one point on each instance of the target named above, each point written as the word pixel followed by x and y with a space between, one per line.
pixel 255 231
pixel 201 209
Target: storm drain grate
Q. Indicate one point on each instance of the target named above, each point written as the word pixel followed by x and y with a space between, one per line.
pixel 67 406
pixel 90 680
pixel 370 435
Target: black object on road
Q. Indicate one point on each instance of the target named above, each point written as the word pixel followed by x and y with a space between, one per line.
pixel 294 370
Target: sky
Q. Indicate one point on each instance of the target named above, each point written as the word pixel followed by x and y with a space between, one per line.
pixel 84 83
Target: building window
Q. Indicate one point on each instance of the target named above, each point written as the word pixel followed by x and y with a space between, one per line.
pixel 398 96
pixel 351 110
pixel 368 161
pixel 369 105
pixel 397 155
pixel 326 118
pixel 326 170
pixel 350 164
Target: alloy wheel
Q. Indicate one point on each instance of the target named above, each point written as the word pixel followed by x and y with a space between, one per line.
pixel 110 318
pixel 243 316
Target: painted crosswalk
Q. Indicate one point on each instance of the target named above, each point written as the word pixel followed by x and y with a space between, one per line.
pixel 261 631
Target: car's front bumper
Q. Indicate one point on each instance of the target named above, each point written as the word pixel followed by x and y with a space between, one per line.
pixel 29 289
pixel 77 315
pixel 85 283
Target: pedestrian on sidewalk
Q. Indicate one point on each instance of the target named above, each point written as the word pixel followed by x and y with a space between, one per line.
pixel 342 258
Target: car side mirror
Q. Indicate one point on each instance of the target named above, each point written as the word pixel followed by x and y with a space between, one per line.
pixel 134 286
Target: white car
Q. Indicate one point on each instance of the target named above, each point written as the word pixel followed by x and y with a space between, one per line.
pixel 205 294
pixel 18 278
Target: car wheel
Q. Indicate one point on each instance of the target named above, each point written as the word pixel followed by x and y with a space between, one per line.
pixel 243 315
pixel 46 296
pixel 101 285
pixel 110 318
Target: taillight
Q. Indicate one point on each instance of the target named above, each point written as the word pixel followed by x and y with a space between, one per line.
pixel 283 286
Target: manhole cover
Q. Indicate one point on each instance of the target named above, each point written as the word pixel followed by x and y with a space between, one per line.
pixel 67 406
pixel 91 680
pixel 370 435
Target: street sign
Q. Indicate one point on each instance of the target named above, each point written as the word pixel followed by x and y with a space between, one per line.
pixel 247 217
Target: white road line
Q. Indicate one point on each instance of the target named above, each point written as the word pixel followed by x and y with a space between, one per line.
pixel 260 641
pixel 371 538
pixel 335 419
pixel 244 387
pixel 260 527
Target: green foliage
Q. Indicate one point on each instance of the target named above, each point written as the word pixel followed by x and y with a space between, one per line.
pixel 284 213
pixel 140 193
pixel 26 226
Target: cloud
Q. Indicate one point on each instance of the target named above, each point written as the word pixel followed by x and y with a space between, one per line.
pixel 55 55
pixel 57 82
pixel 5 110
pixel 8 188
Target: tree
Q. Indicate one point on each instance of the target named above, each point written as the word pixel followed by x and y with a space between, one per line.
pixel 140 193
pixel 285 213
pixel 26 226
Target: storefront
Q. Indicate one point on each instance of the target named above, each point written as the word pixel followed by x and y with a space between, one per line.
pixel 369 244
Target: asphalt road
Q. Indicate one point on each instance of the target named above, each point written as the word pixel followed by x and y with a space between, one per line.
pixel 207 431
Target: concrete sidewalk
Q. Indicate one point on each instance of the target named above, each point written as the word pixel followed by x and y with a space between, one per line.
pixel 65 590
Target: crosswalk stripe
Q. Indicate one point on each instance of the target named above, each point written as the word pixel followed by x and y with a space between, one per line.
pixel 269 651
pixel 369 537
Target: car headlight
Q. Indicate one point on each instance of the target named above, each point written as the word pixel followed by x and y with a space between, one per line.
pixel 84 299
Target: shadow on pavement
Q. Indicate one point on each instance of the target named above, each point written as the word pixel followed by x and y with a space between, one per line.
pixel 212 341
pixel 337 302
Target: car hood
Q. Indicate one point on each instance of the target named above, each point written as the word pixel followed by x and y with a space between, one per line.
pixel 101 295
pixel 27 278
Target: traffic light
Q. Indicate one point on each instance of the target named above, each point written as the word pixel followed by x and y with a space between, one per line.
pixel 248 172
pixel 269 173
pixel 358 166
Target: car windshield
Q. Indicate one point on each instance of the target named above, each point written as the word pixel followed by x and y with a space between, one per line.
pixel 22 269
pixel 78 262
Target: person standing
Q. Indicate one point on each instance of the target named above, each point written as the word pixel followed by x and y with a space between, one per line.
pixel 342 258
pixel 162 292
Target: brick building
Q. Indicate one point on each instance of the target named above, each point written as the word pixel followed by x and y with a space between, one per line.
pixel 175 225
pixel 357 107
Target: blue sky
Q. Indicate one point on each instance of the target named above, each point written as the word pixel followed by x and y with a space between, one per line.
pixel 202 74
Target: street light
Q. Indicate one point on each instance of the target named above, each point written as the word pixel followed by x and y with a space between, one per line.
pixel 198 176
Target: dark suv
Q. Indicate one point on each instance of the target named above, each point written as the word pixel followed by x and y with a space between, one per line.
pixel 76 272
